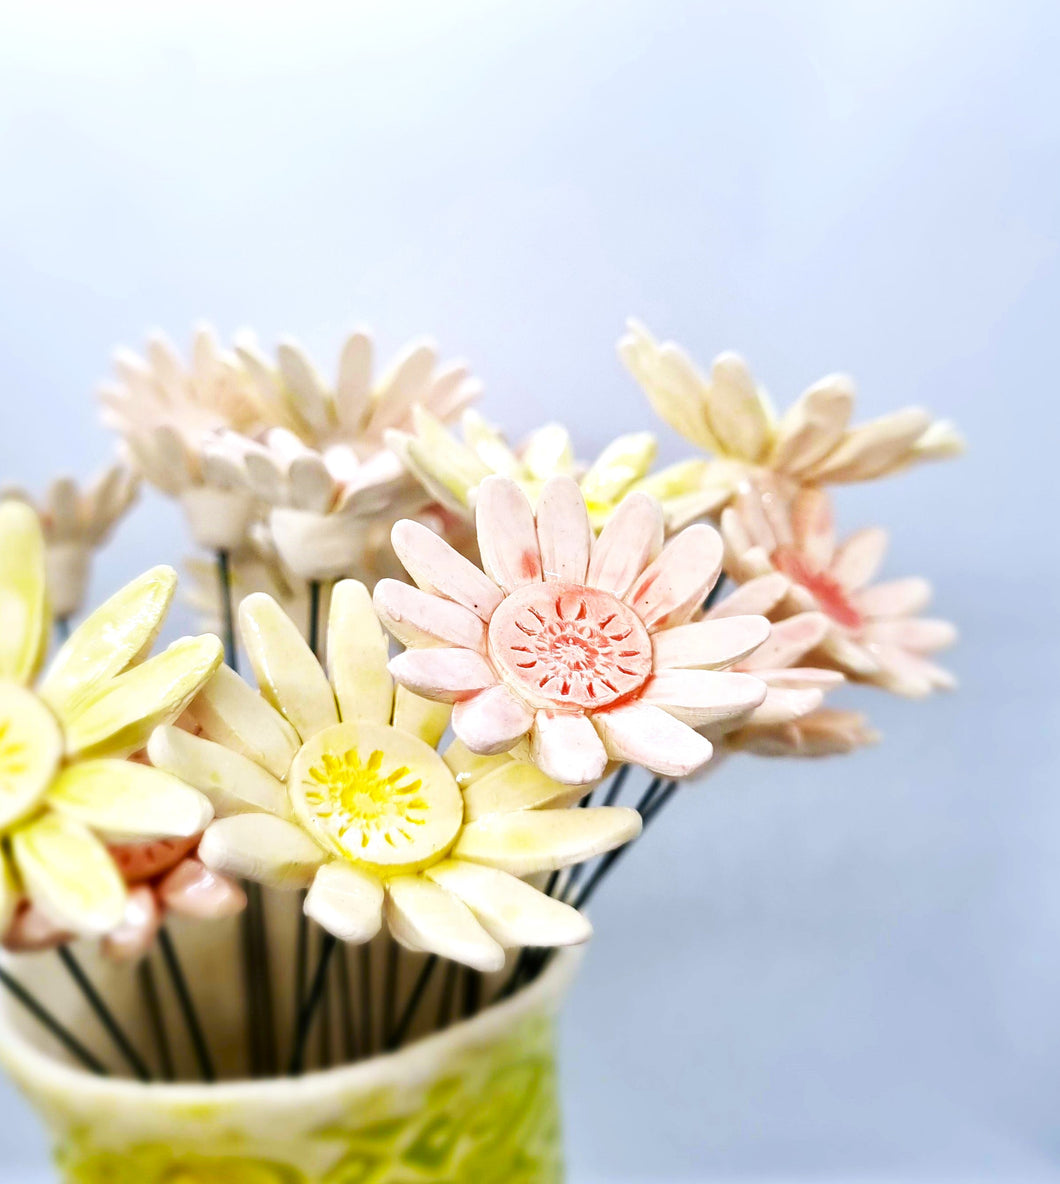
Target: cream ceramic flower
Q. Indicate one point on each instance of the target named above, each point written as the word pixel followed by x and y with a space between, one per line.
pixel 166 410
pixel 337 784
pixel 327 475
pixel 581 643
pixel 65 788
pixel 824 732
pixel 731 417
pixel 452 470
pixel 76 523
pixel 872 633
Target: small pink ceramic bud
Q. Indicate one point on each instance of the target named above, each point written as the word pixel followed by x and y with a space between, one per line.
pixel 31 931
pixel 136 933
pixel 192 890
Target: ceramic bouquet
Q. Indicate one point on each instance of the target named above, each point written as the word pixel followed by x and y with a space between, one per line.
pixel 281 903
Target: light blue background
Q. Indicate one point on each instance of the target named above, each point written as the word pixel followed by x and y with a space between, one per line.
pixel 838 970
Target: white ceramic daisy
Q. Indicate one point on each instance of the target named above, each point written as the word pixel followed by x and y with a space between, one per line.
pixel 336 784
pixel 76 523
pixel 581 643
pixel 166 409
pixel 452 470
pixel 729 416
pixel 873 633
pixel 328 475
pixel 66 789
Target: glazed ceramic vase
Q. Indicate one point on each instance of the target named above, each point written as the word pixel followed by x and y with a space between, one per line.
pixel 475 1104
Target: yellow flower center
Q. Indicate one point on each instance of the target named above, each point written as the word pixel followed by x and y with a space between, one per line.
pixel 376 796
pixel 31 747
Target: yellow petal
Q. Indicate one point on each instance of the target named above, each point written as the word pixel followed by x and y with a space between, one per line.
pixel 117 634
pixel 120 716
pixel 10 891
pixel 289 675
pixel 68 873
pixel 547 452
pixel 544 840
pixel 622 462
pixel 128 800
pixel 516 786
pixel 31 747
pixel 423 916
pixel 23 608
pixel 467 766
pixel 422 717
pixel 358 654
pixel 347 902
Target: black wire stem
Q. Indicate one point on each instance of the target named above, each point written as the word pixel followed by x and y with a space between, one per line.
pixel 103 1013
pixel 187 1006
pixel 49 1022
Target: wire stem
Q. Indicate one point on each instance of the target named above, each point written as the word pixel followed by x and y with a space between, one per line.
pixel 187 1006
pixel 103 1013
pixel 48 1021
pixel 149 987
pixel 397 1037
pixel 308 1012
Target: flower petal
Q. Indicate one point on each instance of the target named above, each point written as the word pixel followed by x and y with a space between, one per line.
pixel 191 889
pixel 532 841
pixel 788 641
pixel 422 717
pixel 629 541
pixel 567 748
pixel 354 383
pixel 622 462
pixel 288 674
pixel 813 425
pixel 446 674
pixel 784 704
pixel 709 643
pixel 563 531
pixel 263 848
pixel 510 910
pixel 424 916
pixel 672 588
pixel 492 721
pixel 467 766
pixel 643 734
pixel 232 782
pixel 908 674
pixel 813 526
pixel 138 929
pixel 921 635
pixel 68 874
pixel 849 655
pixel 702 697
pixel 23 607
pixel 895 598
pixel 507 535
pixel 758 596
pixel 436 567
pixel 235 716
pixel 347 902
pixel 116 635
pixel 31 744
pixel 418 618
pixel 859 558
pixel 739 417
pixel 358 655
pixel 874 449
pixel 547 452
pixel 516 786
pixel 128 800
pixel 120 716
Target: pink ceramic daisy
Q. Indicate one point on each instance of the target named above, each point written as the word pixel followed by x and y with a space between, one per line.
pixel 583 645
pixel 873 633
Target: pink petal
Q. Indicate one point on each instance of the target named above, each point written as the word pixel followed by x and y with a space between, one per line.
pixel 701 697
pixel 136 933
pixel 448 675
pixel 812 522
pixel 859 558
pixel 567 748
pixel 673 587
pixel 507 536
pixel 849 655
pixel 418 618
pixel 436 567
pixel 758 596
pixel 192 890
pixel 642 734
pixel 782 705
pixel 788 641
pixel 919 634
pixel 802 678
pixel 563 531
pixel 492 721
pixel 908 674
pixel 629 541
pixel 895 598
pixel 709 643
pixel 32 931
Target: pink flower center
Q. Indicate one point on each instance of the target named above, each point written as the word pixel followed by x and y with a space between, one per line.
pixel 565 645
pixel 826 589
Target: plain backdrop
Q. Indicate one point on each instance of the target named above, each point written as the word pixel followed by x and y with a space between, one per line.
pixel 838 970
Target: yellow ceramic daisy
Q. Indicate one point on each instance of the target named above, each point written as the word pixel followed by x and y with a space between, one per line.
pixel 65 787
pixel 337 784
pixel 453 470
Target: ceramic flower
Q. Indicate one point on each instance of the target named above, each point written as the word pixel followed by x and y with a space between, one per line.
pixel 729 416
pixel 328 475
pixel 165 410
pixel 873 633
pixel 65 788
pixel 452 470
pixel 76 523
pixel 582 644
pixel 336 783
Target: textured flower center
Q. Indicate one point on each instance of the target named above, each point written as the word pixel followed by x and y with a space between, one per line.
pixel 566 645
pixel 376 795
pixel 30 750
pixel 827 590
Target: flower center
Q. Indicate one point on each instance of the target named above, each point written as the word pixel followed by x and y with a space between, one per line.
pixel 376 796
pixel 31 747
pixel 565 645
pixel 827 590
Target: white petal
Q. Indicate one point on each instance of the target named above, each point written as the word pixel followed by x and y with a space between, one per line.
pixel 813 425
pixel 673 587
pixel 347 902
pixel 628 543
pixel 426 917
pixel 418 618
pixel 758 596
pixel 446 674
pixel 263 848
pixel 567 748
pixel 709 643
pixel 436 567
pixel 701 697
pixel 358 655
pixel 643 734
pixel 492 721
pixel 563 531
